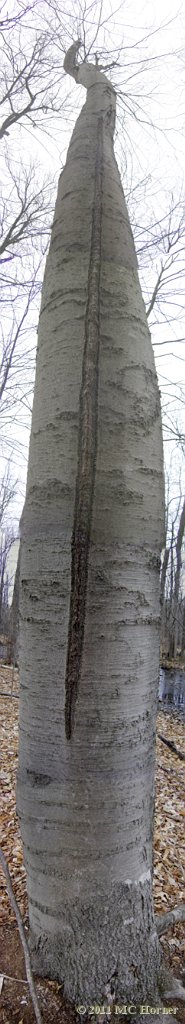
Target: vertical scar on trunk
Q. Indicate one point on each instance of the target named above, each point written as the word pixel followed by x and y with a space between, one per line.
pixel 87 449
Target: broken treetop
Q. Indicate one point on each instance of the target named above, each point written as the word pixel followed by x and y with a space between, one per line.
pixel 91 77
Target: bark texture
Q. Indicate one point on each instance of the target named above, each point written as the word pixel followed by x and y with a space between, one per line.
pixel 86 806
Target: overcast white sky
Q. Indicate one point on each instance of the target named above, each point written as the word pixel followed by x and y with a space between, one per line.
pixel 158 153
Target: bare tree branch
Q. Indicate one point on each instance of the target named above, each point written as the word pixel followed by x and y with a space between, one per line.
pixel 17 115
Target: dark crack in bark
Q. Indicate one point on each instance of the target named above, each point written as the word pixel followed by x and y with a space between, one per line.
pixel 87 449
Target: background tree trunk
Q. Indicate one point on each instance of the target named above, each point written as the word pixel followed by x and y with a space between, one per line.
pixel 162 595
pixel 14 613
pixel 180 536
pixel 86 805
pixel 175 612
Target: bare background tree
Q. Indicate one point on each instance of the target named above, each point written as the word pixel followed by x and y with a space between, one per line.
pixel 173 579
pixel 7 537
pixel 37 113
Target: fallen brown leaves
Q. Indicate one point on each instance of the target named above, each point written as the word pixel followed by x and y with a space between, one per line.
pixel 11 839
pixel 169 859
pixel 169 848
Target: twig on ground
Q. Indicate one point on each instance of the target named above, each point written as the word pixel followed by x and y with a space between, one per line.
pixel 171 745
pixel 16 910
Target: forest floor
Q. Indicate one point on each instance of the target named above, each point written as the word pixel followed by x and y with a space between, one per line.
pixel 177 663
pixel 16 1006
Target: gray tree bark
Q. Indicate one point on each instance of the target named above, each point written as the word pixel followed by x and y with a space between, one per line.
pixel 86 804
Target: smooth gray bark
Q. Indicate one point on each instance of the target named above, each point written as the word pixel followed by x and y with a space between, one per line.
pixel 86 805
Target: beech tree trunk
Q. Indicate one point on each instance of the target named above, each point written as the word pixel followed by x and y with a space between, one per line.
pixel 86 804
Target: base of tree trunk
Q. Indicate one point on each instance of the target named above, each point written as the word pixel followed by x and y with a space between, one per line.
pixel 112 942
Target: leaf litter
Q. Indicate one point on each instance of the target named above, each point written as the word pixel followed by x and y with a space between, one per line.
pixel 169 865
